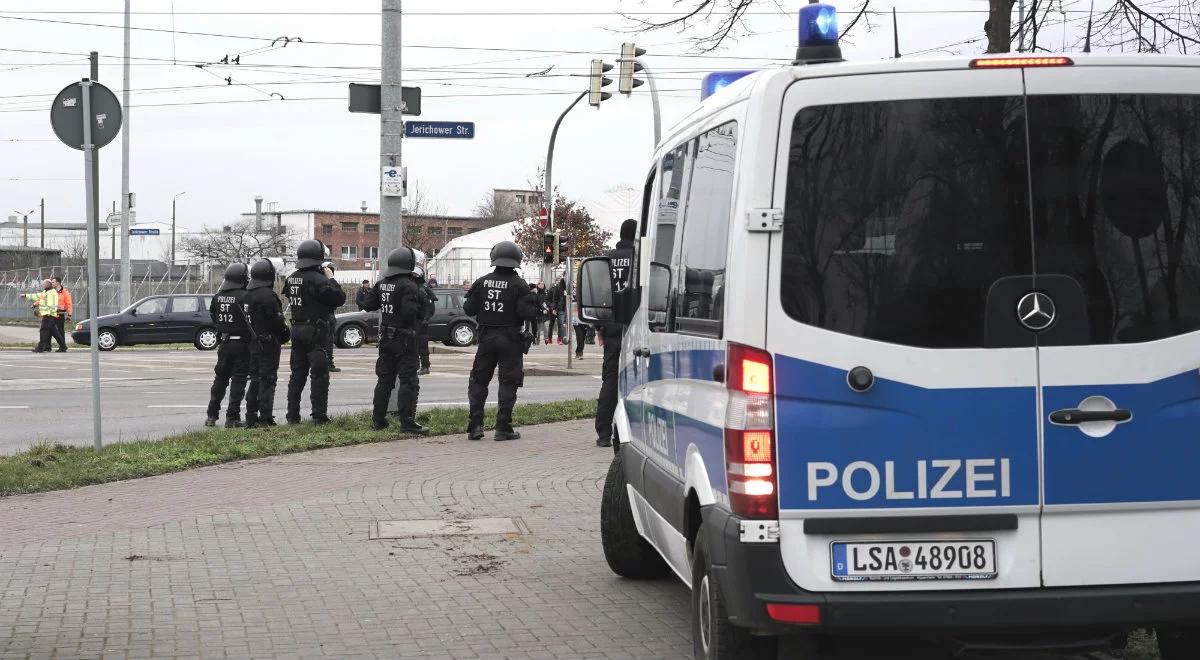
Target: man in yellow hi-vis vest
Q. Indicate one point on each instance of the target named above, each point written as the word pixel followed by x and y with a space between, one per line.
pixel 45 307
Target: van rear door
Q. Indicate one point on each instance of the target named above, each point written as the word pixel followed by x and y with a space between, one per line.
pixel 906 216
pixel 1116 198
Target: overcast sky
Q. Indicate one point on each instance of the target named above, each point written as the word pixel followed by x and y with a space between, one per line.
pixel 193 137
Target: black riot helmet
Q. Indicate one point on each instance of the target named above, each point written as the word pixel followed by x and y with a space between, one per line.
pixel 400 261
pixel 310 253
pixel 236 277
pixel 262 274
pixel 506 254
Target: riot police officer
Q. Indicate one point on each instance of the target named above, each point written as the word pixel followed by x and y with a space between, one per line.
pixel 313 295
pixel 501 302
pixel 401 303
pixel 233 350
pixel 620 265
pixel 332 320
pixel 268 331
pixel 431 300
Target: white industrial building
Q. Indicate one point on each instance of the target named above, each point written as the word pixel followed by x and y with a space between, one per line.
pixel 71 239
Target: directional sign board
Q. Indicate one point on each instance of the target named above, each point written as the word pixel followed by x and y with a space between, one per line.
pixel 368 98
pixel 66 115
pixel 144 232
pixel 459 130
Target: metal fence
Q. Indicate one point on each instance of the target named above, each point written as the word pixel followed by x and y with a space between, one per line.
pixel 15 283
pixel 160 280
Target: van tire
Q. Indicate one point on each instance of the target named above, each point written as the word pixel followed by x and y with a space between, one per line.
pixel 628 554
pixel 1179 643
pixel 714 637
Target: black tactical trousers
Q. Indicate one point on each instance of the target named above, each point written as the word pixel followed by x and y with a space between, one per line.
pixel 233 366
pixel 497 346
pixel 423 345
pixel 606 403
pixel 308 359
pixel 329 346
pixel 264 372
pixel 397 364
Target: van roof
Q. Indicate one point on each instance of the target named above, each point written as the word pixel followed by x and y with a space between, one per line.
pixel 741 89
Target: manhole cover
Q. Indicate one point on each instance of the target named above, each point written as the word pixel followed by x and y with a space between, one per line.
pixel 406 529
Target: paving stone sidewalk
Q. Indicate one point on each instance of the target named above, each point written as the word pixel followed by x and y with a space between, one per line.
pixel 271 558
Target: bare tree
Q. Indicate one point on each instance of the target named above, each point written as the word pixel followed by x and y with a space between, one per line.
pixel 725 19
pixel 238 242
pixel 497 210
pixel 422 205
pixel 1148 26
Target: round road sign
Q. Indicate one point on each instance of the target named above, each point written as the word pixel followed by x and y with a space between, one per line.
pixel 66 115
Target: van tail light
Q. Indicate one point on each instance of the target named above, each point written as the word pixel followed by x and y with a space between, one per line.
pixel 750 434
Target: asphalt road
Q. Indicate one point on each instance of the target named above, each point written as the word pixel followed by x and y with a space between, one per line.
pixel 149 394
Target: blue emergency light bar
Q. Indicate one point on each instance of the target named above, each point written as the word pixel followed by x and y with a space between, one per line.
pixel 818 34
pixel 718 80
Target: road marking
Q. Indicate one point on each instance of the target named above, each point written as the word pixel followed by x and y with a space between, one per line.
pixel 179 405
pixel 14 407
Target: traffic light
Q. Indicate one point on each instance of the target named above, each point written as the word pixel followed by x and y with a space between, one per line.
pixel 549 249
pixel 597 82
pixel 629 66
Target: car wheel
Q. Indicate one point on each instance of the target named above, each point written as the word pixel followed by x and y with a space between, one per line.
pixel 106 340
pixel 627 553
pixel 462 334
pixel 714 637
pixel 1178 643
pixel 351 335
pixel 206 339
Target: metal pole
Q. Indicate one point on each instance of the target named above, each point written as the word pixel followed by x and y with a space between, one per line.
pixel 25 230
pixel 94 58
pixel 126 275
pixel 1020 26
pixel 89 157
pixel 654 100
pixel 43 207
pixel 548 192
pixel 573 336
pixel 391 127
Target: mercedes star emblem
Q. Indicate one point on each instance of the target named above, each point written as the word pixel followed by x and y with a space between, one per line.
pixel 1036 311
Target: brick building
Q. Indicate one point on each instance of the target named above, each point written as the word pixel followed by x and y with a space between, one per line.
pixel 353 236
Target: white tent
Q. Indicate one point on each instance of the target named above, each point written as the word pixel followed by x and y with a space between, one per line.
pixel 467 258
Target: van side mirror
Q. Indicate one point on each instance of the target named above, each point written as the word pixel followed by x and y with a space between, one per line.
pixel 660 287
pixel 595 291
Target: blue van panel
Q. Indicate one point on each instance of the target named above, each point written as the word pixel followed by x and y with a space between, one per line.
pixel 1152 458
pixel 899 445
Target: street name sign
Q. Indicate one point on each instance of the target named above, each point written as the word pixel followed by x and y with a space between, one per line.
pixel 459 130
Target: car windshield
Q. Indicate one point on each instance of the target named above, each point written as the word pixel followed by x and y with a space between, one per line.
pixel 902 216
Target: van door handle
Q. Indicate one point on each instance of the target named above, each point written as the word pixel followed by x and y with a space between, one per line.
pixel 1074 416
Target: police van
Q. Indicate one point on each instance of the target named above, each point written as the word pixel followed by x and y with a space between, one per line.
pixel 912 347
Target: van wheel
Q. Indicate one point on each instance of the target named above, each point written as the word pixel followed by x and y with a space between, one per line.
pixel 713 636
pixel 627 553
pixel 1179 643
pixel 206 339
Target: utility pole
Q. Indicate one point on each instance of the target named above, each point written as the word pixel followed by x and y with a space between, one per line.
pixel 391 128
pixel 173 226
pixel 126 275
pixel 43 206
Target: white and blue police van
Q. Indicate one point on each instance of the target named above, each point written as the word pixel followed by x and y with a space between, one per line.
pixel 913 347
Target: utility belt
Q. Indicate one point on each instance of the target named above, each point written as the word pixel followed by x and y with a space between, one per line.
pixel 309 332
pixel 229 336
pixel 514 332
pixel 396 340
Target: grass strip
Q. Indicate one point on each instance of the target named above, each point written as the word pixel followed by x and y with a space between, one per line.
pixel 49 466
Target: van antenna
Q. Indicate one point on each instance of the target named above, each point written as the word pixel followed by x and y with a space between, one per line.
pixel 1087 40
pixel 895 33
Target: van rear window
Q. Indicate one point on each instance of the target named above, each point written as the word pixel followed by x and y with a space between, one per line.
pixel 901 214
pixel 902 217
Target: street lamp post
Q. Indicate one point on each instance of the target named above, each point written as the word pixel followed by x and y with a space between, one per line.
pixel 177 196
pixel 25 226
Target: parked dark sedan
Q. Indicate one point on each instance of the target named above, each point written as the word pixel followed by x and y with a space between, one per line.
pixel 449 325
pixel 154 320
